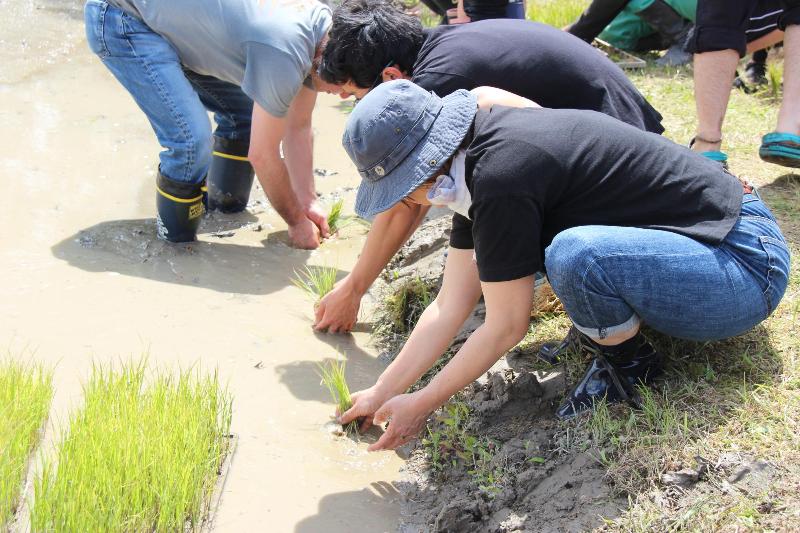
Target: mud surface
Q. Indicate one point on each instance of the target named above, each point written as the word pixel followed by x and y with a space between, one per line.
pixel 85 281
pixel 546 483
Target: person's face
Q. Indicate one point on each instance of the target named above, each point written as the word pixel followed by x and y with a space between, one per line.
pixel 351 89
pixel 323 86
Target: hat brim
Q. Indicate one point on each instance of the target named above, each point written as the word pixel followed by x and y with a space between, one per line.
pixel 430 154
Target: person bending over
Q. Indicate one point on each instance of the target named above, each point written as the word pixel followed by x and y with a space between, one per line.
pixel 373 42
pixel 639 26
pixel 222 58
pixel 629 226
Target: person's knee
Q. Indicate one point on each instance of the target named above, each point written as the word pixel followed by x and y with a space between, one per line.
pixel 187 159
pixel 790 16
pixel 569 256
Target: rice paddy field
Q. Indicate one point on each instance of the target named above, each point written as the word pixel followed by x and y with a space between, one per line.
pixel 132 446
pixel 26 390
pixel 143 453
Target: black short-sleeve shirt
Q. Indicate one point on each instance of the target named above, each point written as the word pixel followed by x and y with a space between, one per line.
pixel 534 173
pixel 546 65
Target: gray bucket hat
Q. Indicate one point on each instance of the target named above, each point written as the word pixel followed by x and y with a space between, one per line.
pixel 399 135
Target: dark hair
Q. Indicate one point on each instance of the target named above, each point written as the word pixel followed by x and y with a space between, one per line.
pixel 364 37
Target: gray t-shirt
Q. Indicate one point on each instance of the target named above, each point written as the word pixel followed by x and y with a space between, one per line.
pixel 265 46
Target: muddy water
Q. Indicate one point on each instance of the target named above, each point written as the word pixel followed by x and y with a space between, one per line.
pixel 84 280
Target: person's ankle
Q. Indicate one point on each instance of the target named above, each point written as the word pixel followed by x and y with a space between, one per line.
pixel 788 126
pixel 703 144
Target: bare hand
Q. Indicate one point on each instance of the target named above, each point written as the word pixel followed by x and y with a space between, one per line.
pixel 365 404
pixel 406 416
pixel 337 311
pixel 304 235
pixel 316 215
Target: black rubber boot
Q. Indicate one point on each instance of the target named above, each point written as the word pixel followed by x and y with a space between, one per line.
pixel 755 72
pixel 612 374
pixel 551 352
pixel 675 30
pixel 230 176
pixel 180 208
pixel 595 18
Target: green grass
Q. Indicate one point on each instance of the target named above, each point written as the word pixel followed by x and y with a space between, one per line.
pixel 558 13
pixel 405 306
pixel 25 394
pixel 449 445
pixel 333 378
pixel 142 454
pixel 316 281
pixel 775 80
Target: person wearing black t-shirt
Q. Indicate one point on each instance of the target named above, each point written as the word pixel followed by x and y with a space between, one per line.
pixel 631 228
pixel 371 42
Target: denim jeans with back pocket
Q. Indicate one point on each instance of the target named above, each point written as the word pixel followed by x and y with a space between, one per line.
pixel 612 278
pixel 174 99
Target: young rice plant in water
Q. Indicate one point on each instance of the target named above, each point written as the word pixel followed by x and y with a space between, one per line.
pixel 141 455
pixel 25 394
pixel 316 281
pixel 337 220
pixel 335 215
pixel 333 378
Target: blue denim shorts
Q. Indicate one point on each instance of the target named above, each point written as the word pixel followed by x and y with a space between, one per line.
pixel 612 278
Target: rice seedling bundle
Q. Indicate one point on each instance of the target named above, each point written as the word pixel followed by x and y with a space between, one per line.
pixel 25 394
pixel 335 215
pixel 337 220
pixel 333 378
pixel 316 281
pixel 141 455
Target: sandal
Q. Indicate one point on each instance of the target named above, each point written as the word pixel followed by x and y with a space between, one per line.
pixel 781 149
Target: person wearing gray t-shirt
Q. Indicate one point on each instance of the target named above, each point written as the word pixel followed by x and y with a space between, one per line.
pixel 250 62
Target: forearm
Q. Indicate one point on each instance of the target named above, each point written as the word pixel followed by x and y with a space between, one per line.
pixel 389 231
pixel 432 335
pixel 274 179
pixel 298 150
pixel 482 350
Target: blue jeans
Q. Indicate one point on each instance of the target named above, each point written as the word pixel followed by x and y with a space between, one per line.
pixel 612 278
pixel 174 99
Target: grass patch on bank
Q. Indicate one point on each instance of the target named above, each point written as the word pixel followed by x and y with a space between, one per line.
pixel 721 406
pixel 25 394
pixel 557 13
pixel 142 454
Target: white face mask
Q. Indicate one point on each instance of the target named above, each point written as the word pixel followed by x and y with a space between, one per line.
pixel 451 190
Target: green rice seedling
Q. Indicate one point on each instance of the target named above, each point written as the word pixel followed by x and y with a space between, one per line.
pixel 25 395
pixel 316 281
pixel 337 220
pixel 333 378
pixel 558 13
pixel 335 215
pixel 142 454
